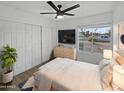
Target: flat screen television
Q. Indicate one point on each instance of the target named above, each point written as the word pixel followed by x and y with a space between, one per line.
pixel 66 36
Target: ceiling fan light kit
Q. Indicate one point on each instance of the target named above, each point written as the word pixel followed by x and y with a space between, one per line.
pixel 59 13
pixel 59 16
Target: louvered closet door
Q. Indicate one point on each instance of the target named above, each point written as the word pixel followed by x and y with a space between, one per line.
pixel 28 46
pixel 36 43
pixel 20 46
pixel 26 38
pixel 33 43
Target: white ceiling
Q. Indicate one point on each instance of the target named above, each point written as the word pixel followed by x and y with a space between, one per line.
pixel 87 8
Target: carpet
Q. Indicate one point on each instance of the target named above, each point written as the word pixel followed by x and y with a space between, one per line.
pixel 26 85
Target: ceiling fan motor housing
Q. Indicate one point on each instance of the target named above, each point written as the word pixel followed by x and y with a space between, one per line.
pixel 59 13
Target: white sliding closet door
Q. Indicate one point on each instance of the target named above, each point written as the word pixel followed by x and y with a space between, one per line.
pixel 26 38
pixel 19 36
pixel 36 49
pixel 28 31
pixel 47 43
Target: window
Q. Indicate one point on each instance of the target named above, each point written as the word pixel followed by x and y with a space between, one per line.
pixel 95 39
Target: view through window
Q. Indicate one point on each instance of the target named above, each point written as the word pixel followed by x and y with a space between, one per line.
pixel 95 39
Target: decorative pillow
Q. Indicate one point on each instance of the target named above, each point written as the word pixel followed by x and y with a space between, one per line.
pixel 106 77
pixel 103 63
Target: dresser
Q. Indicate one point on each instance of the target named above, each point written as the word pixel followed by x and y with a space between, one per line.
pixel 65 52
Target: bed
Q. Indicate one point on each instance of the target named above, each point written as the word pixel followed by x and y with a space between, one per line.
pixel 65 74
pixel 62 74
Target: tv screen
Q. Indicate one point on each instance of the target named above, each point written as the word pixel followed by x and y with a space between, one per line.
pixel 66 36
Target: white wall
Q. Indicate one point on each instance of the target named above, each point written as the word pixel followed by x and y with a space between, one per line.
pixel 49 36
pixel 75 23
pixel 118 17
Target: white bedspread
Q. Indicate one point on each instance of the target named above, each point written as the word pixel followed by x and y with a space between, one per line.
pixel 66 74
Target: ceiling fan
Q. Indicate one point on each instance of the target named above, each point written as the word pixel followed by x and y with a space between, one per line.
pixel 59 13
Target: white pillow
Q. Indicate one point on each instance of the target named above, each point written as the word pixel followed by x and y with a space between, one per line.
pixel 106 77
pixel 103 63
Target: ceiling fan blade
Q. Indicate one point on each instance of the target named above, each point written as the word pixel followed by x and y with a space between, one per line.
pixel 70 8
pixel 68 14
pixel 48 13
pixel 52 5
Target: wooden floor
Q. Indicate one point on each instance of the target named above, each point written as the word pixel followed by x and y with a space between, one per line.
pixel 19 78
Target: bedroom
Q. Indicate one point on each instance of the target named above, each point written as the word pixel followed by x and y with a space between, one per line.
pixel 35 36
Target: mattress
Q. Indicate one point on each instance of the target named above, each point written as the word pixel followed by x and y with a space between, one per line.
pixel 65 74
